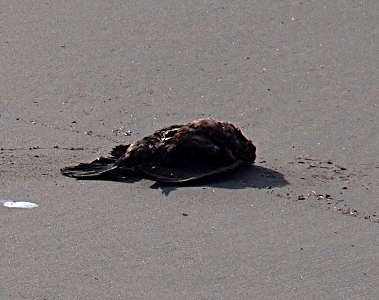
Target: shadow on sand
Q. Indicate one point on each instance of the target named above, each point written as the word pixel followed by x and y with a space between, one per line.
pixel 250 177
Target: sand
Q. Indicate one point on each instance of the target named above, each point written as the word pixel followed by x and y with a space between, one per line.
pixel 300 78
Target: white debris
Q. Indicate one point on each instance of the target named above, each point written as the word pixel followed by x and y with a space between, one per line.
pixel 19 204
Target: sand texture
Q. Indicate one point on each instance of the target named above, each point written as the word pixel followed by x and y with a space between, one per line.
pixel 300 78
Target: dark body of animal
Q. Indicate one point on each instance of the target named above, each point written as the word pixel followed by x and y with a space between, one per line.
pixel 175 153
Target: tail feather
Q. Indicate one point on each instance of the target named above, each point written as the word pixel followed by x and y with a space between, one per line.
pixel 102 167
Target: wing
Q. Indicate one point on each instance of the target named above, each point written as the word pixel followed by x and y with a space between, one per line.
pixel 172 174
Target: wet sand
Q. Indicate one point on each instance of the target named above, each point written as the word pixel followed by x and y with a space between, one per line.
pixel 299 79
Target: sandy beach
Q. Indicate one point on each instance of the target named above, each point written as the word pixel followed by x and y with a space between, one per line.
pixel 300 78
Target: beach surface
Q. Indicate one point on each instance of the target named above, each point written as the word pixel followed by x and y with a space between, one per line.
pixel 300 78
